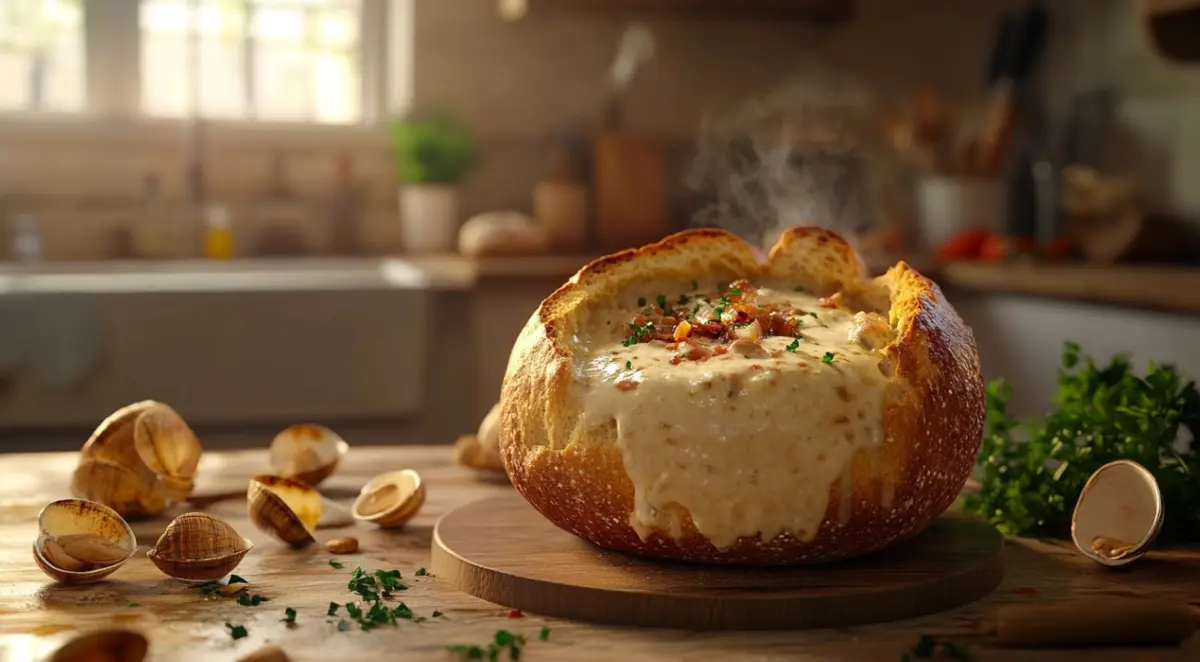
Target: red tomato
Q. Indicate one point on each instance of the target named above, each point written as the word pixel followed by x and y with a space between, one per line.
pixel 965 245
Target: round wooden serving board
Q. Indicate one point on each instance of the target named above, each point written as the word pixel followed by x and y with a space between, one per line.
pixel 504 551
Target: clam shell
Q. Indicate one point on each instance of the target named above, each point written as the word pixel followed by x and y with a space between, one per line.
pixel 107 645
pixel 391 499
pixel 165 443
pixel 307 452
pixel 197 547
pixel 284 508
pixel 82 541
pixel 125 491
pixel 1118 514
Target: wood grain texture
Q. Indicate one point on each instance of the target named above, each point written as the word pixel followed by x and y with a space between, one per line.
pixel 504 551
pixel 37 615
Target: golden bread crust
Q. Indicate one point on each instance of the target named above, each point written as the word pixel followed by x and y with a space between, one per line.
pixel 933 406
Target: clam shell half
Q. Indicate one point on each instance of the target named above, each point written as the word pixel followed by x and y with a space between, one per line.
pixel 284 508
pixel 1118 514
pixel 307 452
pixel 81 541
pixel 391 499
pixel 197 547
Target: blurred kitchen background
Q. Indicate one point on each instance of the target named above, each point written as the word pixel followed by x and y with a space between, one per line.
pixel 266 212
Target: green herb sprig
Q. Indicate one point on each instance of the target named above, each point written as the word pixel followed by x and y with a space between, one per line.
pixel 502 641
pixel 1032 473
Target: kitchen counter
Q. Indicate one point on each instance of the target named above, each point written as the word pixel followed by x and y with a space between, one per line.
pixel 37 615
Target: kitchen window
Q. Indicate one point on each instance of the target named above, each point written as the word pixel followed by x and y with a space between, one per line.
pixel 330 62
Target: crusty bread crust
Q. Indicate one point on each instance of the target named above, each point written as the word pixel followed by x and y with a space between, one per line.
pixel 933 407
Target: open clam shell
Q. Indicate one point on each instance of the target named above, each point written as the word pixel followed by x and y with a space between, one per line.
pixel 82 541
pixel 1118 514
pixel 307 452
pixel 111 484
pixel 284 508
pixel 197 547
pixel 391 499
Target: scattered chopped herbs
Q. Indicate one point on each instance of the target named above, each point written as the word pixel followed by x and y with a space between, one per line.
pixel 684 299
pixel 544 634
pixel 828 358
pixel 502 641
pixel 927 648
pixel 335 564
pixel 794 346
pixel 629 365
pixel 237 631
pixel 247 600
pixel 210 589
pixel 343 625
pixel 641 301
pixel 436 613
pixel 133 604
pixel 374 589
pixel 661 300
pixel 333 607
pixel 735 292
pixel 813 315
pixel 639 332
pixel 695 310
pixel 234 579
pixel 420 572
pixel 1032 472
pixel 289 616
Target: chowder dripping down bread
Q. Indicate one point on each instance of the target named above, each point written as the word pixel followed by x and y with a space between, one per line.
pixel 690 401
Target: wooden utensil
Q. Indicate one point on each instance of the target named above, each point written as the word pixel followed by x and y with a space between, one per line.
pixel 632 205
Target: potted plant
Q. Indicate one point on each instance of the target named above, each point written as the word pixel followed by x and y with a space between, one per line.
pixel 433 154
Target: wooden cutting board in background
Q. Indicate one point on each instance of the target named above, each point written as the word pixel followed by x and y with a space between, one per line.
pixel 502 550
pixel 631 201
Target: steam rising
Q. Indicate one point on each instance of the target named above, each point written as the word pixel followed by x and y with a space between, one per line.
pixel 808 153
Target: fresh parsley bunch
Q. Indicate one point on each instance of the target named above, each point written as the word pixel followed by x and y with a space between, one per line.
pixel 1032 473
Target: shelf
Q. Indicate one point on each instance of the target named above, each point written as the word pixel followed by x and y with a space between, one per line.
pixel 1158 287
pixel 816 11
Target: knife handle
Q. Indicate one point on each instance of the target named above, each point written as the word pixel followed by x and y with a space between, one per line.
pixel 1100 622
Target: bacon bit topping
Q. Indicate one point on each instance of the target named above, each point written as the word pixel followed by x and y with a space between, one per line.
pixel 515 613
pixel 711 321
pixel 627 384
pixel 835 301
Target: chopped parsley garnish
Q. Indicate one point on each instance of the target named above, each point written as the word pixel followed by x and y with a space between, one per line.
pixel 661 300
pixel 133 604
pixel 502 641
pixel 695 310
pixel 247 600
pixel 735 291
pixel 813 315
pixel 794 346
pixel 237 631
pixel 234 579
pixel 641 301
pixel 544 634
pixel 436 613
pixel 374 589
pixel 420 572
pixel 927 648
pixel 684 299
pixel 289 616
pixel 335 564
pixel 333 607
pixel 828 358
pixel 639 332
pixel 629 365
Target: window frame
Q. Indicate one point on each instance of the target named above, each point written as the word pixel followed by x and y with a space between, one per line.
pixel 112 65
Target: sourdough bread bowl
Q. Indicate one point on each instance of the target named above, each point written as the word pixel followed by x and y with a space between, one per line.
pixel 691 400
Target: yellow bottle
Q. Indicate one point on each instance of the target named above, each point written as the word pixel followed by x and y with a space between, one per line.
pixel 218 237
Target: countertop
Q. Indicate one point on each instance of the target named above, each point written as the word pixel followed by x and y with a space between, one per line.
pixel 37 615
pixel 1174 288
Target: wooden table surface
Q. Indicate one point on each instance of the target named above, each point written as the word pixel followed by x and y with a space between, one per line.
pixel 37 615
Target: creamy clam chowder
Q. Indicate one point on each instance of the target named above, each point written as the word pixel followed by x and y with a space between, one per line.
pixel 742 404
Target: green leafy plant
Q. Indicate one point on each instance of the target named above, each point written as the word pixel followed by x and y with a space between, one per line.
pixel 1033 472
pixel 435 149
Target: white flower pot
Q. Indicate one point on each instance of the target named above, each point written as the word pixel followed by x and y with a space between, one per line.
pixel 429 217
